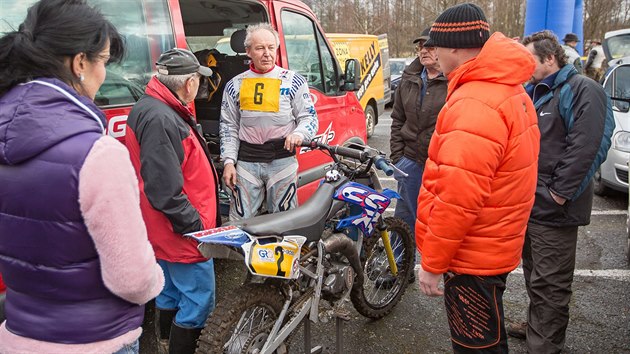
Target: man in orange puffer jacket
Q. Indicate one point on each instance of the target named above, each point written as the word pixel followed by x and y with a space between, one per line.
pixel 480 178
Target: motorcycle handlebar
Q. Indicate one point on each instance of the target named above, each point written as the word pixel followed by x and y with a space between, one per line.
pixel 339 150
pixel 380 162
pixel 383 165
pixel 349 152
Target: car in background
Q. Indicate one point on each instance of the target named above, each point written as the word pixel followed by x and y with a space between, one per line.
pixel 612 175
pixel 616 45
pixel 396 67
pixel 628 231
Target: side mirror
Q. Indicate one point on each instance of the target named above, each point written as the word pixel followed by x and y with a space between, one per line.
pixel 352 75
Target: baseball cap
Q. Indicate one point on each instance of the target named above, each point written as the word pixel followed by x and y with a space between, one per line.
pixel 179 61
pixel 424 36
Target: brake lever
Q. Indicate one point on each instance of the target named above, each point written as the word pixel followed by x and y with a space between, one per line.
pixel 398 172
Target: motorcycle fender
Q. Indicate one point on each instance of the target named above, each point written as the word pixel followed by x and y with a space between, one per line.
pixel 391 194
pixel 210 250
pixel 227 235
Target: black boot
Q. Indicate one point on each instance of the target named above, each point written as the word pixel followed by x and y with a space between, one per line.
pixel 163 321
pixel 183 340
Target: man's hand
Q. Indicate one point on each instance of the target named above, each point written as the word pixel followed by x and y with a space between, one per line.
pixel 428 283
pixel 292 141
pixel 558 199
pixel 229 175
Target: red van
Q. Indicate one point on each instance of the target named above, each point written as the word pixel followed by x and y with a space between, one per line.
pixel 153 26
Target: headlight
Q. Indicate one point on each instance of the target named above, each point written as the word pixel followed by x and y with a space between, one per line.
pixel 621 141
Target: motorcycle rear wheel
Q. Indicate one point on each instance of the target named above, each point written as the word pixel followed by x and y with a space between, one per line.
pixel 229 328
pixel 381 290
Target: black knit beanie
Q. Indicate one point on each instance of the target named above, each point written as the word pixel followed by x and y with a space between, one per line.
pixel 460 26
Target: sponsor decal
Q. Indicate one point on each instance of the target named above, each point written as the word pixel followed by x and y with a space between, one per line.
pixel 266 255
pixel 367 79
pixel 117 126
pixel 342 51
pixel 373 205
pixel 325 137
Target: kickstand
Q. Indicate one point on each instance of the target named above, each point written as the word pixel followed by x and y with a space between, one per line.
pixel 340 317
pixel 307 339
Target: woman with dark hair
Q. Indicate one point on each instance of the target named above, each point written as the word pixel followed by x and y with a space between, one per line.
pixel 74 252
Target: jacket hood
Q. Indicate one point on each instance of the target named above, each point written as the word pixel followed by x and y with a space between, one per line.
pixel 36 116
pixel 502 60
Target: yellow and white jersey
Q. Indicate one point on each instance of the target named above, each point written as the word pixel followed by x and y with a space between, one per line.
pixel 258 107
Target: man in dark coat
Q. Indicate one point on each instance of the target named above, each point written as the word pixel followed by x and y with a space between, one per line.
pixel 575 121
pixel 418 100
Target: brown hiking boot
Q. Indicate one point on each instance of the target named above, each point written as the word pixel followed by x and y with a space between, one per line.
pixel 517 329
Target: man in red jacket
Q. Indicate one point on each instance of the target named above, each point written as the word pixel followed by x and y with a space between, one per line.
pixel 178 195
pixel 479 180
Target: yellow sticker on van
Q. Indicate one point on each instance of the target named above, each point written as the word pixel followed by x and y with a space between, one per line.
pixel 342 52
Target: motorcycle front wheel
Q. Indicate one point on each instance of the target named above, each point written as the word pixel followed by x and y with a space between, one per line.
pixel 238 324
pixel 381 290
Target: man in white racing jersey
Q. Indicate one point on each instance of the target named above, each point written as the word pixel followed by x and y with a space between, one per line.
pixel 266 113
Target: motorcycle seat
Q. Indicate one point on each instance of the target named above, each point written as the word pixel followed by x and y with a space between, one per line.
pixel 306 220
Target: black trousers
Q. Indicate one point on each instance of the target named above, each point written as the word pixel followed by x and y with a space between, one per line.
pixel 548 265
pixel 474 307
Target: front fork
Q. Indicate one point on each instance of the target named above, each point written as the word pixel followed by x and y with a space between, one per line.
pixel 382 228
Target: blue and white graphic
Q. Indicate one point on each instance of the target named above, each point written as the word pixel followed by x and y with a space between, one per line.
pixel 372 203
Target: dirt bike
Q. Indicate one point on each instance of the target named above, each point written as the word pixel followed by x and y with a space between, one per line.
pixel 310 260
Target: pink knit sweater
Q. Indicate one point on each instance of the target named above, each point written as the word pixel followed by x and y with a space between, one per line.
pixel 110 204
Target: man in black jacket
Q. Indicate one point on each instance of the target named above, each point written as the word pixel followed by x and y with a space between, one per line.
pixel 178 195
pixel 575 137
pixel 418 100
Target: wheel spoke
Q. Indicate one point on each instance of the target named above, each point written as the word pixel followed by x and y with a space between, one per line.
pixel 247 324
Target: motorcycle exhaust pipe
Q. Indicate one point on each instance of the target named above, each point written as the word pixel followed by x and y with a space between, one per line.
pixel 340 243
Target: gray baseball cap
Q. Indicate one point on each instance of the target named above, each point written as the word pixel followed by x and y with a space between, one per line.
pixel 424 36
pixel 179 61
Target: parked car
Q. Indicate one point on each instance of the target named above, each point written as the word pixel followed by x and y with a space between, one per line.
pixel 396 67
pixel 616 45
pixel 628 230
pixel 613 173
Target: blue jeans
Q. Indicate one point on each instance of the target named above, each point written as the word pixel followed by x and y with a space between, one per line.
pixel 131 348
pixel 189 289
pixel 408 188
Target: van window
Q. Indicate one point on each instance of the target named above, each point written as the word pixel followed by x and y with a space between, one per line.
pixel 619 46
pixel 145 37
pixel 618 86
pixel 210 23
pixel 301 39
pixel 329 67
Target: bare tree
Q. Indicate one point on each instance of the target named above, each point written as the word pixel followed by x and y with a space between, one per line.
pixel 403 20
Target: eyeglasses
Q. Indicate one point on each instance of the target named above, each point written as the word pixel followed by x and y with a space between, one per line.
pixel 419 48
